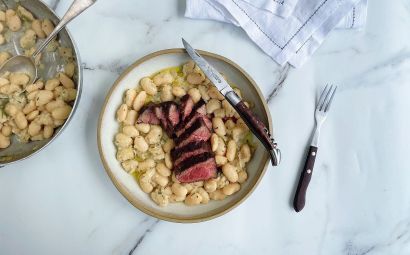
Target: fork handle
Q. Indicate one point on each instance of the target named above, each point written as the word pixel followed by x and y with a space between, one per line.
pixel 306 175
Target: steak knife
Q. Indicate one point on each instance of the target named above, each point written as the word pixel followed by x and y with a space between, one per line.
pixel 257 127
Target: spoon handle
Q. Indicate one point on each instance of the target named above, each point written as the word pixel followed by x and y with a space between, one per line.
pixel 77 7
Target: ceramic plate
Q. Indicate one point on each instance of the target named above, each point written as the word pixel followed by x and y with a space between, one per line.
pixel 128 186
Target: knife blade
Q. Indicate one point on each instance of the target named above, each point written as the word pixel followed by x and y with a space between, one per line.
pixel 257 127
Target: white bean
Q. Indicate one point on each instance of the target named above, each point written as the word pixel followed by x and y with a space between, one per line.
pixel 219 126
pixel 242 176
pixel 221 150
pixel 34 128
pixel 231 150
pixel 146 164
pixel 32 115
pixel 212 105
pixel 48 131
pixel 11 109
pixel 163 170
pixel 231 188
pixel 13 21
pixel 124 154
pixel 168 145
pixel 139 101
pixel 217 195
pixel 149 86
pixel 47 26
pixel 178 91
pixel 130 131
pixel 131 118
pixel 229 171
pixel 163 78
pixel 193 199
pixel 203 90
pixel 161 180
pixel 43 97
pixel 122 113
pixel 140 144
pixel 61 113
pixel 195 78
pixel 19 79
pixel 6 130
pixel 143 127
pixel 166 93
pixel 220 160
pixel 20 120
pixel 66 81
pixel 130 97
pixel 146 186
pixel 122 140
pixel 4 141
pixel 245 153
pixel 210 185
pixel 168 161
pixel 195 94
pixel 52 84
pixel 213 92
pixel 214 142
pixel 204 195
pixel 179 190
pixel 130 165
pixel 154 135
pixel 36 26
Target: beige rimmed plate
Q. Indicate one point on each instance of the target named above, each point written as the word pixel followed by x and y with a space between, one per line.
pixel 127 185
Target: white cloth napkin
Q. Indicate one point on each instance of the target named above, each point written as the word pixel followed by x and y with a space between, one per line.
pixel 287 40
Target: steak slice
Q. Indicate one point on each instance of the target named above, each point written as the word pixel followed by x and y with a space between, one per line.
pixel 173 115
pixel 160 112
pixel 197 132
pixel 188 151
pixel 147 115
pixel 199 111
pixel 199 168
pixel 187 104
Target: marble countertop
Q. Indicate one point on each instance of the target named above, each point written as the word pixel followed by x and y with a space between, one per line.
pixel 62 202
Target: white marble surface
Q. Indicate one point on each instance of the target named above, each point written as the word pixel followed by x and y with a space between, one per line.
pixel 62 202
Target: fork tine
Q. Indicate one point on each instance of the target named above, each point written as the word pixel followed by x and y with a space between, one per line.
pixel 321 98
pixel 326 98
pixel 329 102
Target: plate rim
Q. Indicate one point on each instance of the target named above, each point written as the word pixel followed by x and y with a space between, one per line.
pixel 167 216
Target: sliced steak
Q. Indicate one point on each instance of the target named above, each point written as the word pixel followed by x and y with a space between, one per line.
pixel 197 132
pixel 199 111
pixel 189 151
pixel 160 113
pixel 187 104
pixel 199 168
pixel 147 115
pixel 173 115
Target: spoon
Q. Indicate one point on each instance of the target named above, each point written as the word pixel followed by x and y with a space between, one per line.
pixel 24 64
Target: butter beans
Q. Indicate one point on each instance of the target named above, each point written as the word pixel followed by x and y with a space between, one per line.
pixel 20 120
pixel 195 94
pixel 140 144
pixel 43 97
pixel 122 113
pixel 47 26
pixel 149 86
pixel 193 199
pixel 231 189
pixel 214 142
pixel 131 118
pixel 212 105
pixel 61 113
pixel 168 145
pixel 218 126
pixel 139 100
pixel 210 185
pixel 122 140
pixel 217 195
pixel 4 141
pixel 163 78
pixel 130 96
pixel 13 21
pixel 130 131
pixel 231 150
pixel 229 171
pixel 166 93
pixel 178 91
pixel 163 170
pixel 154 135
pixel 242 176
pixel 245 153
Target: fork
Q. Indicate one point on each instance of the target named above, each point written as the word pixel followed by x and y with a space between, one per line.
pixel 322 108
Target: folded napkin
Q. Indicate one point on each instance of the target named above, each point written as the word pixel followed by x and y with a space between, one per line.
pixel 291 39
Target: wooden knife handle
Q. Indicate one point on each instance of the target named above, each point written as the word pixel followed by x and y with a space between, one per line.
pixel 255 124
pixel 306 175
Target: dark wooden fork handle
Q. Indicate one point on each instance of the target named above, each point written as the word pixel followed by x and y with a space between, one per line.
pixel 306 175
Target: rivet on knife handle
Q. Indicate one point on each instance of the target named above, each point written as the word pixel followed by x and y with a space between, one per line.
pixel 305 176
pixel 256 125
